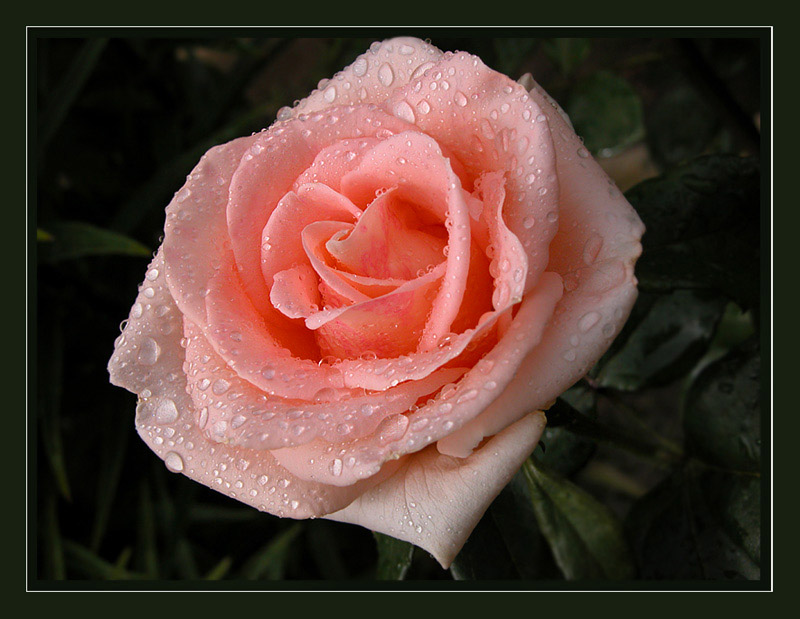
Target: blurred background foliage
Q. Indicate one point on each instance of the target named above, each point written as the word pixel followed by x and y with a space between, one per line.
pixel 650 467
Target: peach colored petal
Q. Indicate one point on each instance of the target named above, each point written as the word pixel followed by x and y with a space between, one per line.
pixel 334 161
pixel 489 122
pixel 295 292
pixel 281 244
pixel 387 242
pixel 595 252
pixel 231 410
pixel 435 501
pixel 277 157
pixel 453 407
pixel 148 360
pixel 386 65
pixel 336 290
pixel 414 165
pixel 196 219
pixel 509 263
pixel 389 326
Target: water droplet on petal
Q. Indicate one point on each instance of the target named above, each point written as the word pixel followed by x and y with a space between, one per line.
pixel 174 462
pixel 149 351
pixel 386 74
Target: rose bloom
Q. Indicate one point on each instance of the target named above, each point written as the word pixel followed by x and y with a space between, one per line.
pixel 360 312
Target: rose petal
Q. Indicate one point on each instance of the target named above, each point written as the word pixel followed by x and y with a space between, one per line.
pixel 387 242
pixel 435 501
pixel 489 122
pixel 454 406
pixel 595 252
pixel 281 246
pixel 389 326
pixel 230 410
pixel 148 360
pixel 295 292
pixel 387 65
pixel 414 165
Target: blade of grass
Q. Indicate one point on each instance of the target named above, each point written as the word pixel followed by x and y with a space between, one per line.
pixel 90 565
pixel 63 96
pixel 55 569
pixel 147 549
pixel 114 447
pixel 51 368
pixel 269 562
pixel 220 570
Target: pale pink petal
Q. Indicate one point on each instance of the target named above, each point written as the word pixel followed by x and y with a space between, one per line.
pixel 595 252
pixel 276 158
pixel 281 244
pixel 295 292
pixel 455 406
pixel 489 122
pixel 387 242
pixel 194 237
pixel 387 65
pixel 414 165
pixel 435 501
pixel 388 326
pixel 334 161
pixel 230 410
pixel 509 263
pixel 148 360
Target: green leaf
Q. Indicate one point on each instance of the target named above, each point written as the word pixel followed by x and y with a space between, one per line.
pixel 73 239
pixel 698 525
pixel 672 337
pixel 702 224
pixel 269 563
pixel 722 411
pixel 511 52
pixel 506 544
pixel 567 54
pixel 606 112
pixel 394 557
pixel 680 125
pixel 564 451
pixel 585 537
pixel 43 236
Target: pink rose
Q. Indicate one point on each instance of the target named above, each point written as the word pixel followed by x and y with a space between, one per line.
pixel 358 312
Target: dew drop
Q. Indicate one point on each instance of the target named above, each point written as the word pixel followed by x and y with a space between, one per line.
pixel 385 74
pixel 166 411
pixel 404 112
pixel 360 67
pixel 461 99
pixel 149 351
pixel 220 386
pixel 587 321
pixel 174 462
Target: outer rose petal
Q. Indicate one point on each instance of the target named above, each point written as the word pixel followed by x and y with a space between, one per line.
pixel 148 360
pixel 435 501
pixel 387 65
pixel 595 251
